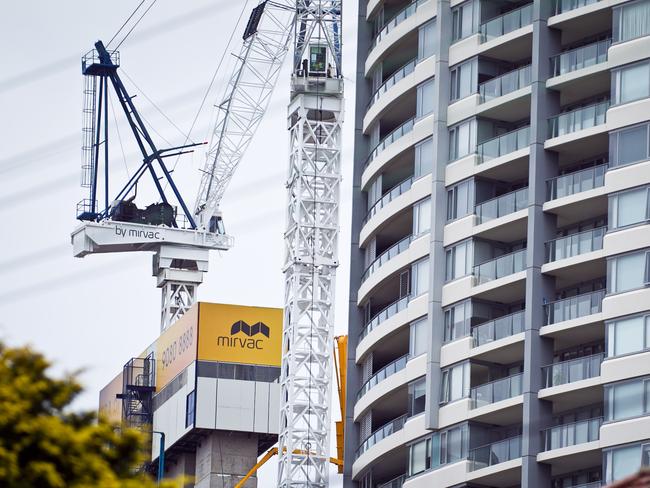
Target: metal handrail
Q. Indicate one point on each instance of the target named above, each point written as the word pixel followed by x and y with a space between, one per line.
pixel 382 432
pixel 504 144
pixel 502 205
pixel 384 314
pixel 501 266
pixel 565 435
pixel 572 370
pixel 386 372
pixel 562 6
pixel 576 182
pixel 497 390
pixel 394 250
pixel 505 83
pixel 393 136
pixel 499 328
pixel 575 244
pixel 578 119
pixel 399 74
pixel 395 20
pixel 388 197
pixel 580 57
pixel 574 307
pixel 506 23
pixel 495 453
pixel 396 482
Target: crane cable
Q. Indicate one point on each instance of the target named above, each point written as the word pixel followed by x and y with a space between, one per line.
pixel 125 22
pixel 136 23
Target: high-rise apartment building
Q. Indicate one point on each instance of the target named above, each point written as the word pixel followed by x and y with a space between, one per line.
pixel 500 279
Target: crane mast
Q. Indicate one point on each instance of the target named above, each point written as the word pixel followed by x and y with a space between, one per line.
pixel 315 116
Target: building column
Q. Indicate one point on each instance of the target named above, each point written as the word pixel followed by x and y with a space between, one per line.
pixel 224 458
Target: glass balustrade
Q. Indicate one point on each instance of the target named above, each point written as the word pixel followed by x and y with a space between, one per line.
pixel 495 453
pixel 504 84
pixel 504 144
pixel 508 22
pixel 572 370
pixel 580 57
pixel 394 483
pixel 576 182
pixel 396 20
pixel 400 74
pixel 566 435
pixel 390 195
pixel 384 314
pixel 386 372
pixel 496 329
pixel 578 119
pixel 386 256
pixel 496 391
pixel 562 6
pixel 502 205
pixel 575 244
pixel 402 130
pixel 381 433
pixel 502 266
pixel 574 307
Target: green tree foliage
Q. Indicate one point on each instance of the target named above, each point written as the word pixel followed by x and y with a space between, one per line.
pixel 45 445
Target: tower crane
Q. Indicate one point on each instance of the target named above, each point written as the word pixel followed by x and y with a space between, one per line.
pixel 181 239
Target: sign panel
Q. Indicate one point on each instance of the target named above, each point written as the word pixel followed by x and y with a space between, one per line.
pixel 239 334
pixel 110 407
pixel 176 347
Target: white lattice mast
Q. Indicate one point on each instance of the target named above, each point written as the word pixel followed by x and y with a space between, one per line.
pixel 311 239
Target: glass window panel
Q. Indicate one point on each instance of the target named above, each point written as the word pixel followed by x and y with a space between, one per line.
pixel 419 337
pixel 418 457
pixel 423 157
pixel 628 400
pixel 633 21
pixel 634 83
pixel 632 145
pixel 625 461
pixel 630 207
pixel 426 40
pixel 629 272
pixel 628 335
pixel 424 99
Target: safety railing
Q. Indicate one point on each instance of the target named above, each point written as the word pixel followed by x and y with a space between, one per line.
pixel 394 483
pixel 382 432
pixel 387 255
pixel 562 6
pixel 392 194
pixel 575 244
pixel 580 57
pixel 503 144
pixel 400 74
pixel 502 266
pixel 566 435
pixel 502 205
pixel 396 20
pixel 386 372
pixel 572 370
pixel 578 119
pixel 496 391
pixel 496 329
pixel 495 453
pixel 384 314
pixel 576 182
pixel 402 130
pixel 504 84
pixel 574 307
pixel 508 22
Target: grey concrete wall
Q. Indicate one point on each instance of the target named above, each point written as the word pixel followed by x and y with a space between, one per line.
pixel 224 458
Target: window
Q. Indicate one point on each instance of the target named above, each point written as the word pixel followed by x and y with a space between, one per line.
pixel 458 260
pixel 420 277
pixel 419 337
pixel 629 335
pixel 444 447
pixel 457 321
pixel 631 20
pixel 464 20
pixel 462 139
pixel 624 461
pixel 460 200
pixel 455 383
pixel 427 40
pixel 423 158
pixel 421 217
pixel 190 407
pixel 464 79
pixel 374 191
pixel 420 456
pixel 424 99
pixel 631 82
pixel 627 399
pixel 629 207
pixel 629 145
pixel 627 272
pixel 417 396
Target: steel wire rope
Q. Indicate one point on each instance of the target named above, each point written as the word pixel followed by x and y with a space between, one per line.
pixel 125 22
pixel 135 25
pixel 119 137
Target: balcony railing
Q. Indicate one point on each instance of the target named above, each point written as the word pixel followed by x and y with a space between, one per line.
pixel 396 20
pixel 562 6
pixel 504 144
pixel 575 244
pixel 566 435
pixel 508 22
pixel 502 205
pixel 495 453
pixel 381 433
pixel 504 84
pixel 593 484
pixel 578 119
pixel 574 307
pixel 402 130
pixel 387 255
pixel 400 74
pixel 580 57
pixel 576 182
pixel 386 372
pixel 392 194
pixel 502 266
pixel 394 483
pixel 384 314
pixel 572 370
pixel 495 391
pixel 496 329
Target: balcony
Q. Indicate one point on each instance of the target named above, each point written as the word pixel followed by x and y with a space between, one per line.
pixel 578 119
pixel 562 6
pixel 496 391
pixel 574 307
pixel 502 266
pixel 381 433
pixel 386 372
pixel 394 483
pixel 386 256
pixel 503 144
pixel 571 434
pixel 495 453
pixel 580 57
pixel 496 329
pixel 384 314
pixel 392 194
pixel 576 182
pixel 502 205
pixel 573 370
pixel 400 74
pixel 504 84
pixel 396 20
pixel 402 130
pixel 508 22
pixel 575 244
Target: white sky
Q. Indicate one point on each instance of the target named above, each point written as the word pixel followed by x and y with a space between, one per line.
pixel 93 314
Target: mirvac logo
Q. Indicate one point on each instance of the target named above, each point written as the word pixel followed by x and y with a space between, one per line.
pixel 249 342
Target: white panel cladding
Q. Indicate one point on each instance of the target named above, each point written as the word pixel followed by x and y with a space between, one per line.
pixel 235 405
pixel 273 408
pixel 206 403
pixel 261 418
